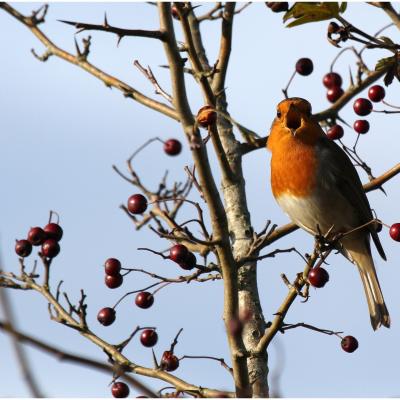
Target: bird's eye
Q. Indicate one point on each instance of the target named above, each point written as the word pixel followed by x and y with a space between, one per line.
pixel 278 114
pixel 308 112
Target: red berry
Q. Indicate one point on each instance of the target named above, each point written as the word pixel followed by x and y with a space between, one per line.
pixel 278 6
pixel 169 361
pixel 137 204
pixel 36 236
pixel 53 231
pixel 144 300
pixel 106 316
pixel 335 132
pixel 304 66
pixel 395 232
pixel 172 147
pixel 113 281
pixel 23 248
pixel 178 253
pixel 376 93
pixel 206 116
pixel 318 277
pixel 149 337
pixel 332 79
pixel 174 12
pixel 190 262
pixel 112 267
pixel 50 248
pixel 362 106
pixel 361 126
pixel 334 93
pixel 120 390
pixel 349 344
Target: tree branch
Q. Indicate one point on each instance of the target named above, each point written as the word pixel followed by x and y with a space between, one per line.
pixel 212 197
pixel 120 32
pixel 66 356
pixel 109 80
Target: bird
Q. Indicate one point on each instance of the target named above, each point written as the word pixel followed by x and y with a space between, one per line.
pixel 317 186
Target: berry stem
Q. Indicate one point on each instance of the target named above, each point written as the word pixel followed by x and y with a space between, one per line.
pixel 285 91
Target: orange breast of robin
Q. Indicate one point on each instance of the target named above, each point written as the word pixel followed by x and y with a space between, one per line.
pixel 293 167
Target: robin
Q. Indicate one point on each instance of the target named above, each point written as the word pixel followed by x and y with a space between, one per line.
pixel 316 184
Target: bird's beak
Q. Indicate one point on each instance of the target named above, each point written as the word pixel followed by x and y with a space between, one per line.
pixel 293 119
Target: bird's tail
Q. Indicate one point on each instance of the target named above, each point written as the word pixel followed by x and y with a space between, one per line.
pixel 360 253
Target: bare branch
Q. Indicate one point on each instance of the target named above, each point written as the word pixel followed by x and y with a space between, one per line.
pixel 108 80
pixel 120 32
pixel 63 355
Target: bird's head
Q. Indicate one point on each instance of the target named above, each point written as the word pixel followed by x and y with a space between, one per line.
pixel 294 121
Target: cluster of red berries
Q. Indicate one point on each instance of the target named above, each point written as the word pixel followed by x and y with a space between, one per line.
pixel 333 82
pixel 363 107
pixel 48 238
pixel 113 277
pixel 182 256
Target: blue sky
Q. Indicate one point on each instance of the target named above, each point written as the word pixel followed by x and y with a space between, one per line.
pixel 62 130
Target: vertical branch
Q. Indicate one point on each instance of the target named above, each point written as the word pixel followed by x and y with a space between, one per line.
pixel 211 195
pixel 239 222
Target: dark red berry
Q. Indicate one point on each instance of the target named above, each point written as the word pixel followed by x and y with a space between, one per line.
pixel 362 107
pixel 174 12
pixel 206 116
pixel 144 300
pixel 148 337
pixel 334 93
pixel 106 316
pixel 304 66
pixel 36 236
pixel 137 204
pixel 318 277
pixel 361 126
pixel 190 262
pixel 169 361
pixel 335 132
pixel 278 6
pixel 50 248
pixel 178 253
pixel 331 80
pixel 23 248
pixel 113 281
pixel 333 27
pixel 112 266
pixel 172 147
pixel 376 93
pixel 349 344
pixel 395 232
pixel 120 390
pixel 53 231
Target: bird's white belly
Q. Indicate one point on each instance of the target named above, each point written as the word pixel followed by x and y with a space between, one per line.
pixel 308 212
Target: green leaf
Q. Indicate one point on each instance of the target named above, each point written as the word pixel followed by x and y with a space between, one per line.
pixel 304 13
pixel 343 7
pixel 384 63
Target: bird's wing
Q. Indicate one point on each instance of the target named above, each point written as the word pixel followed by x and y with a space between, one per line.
pixel 339 170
